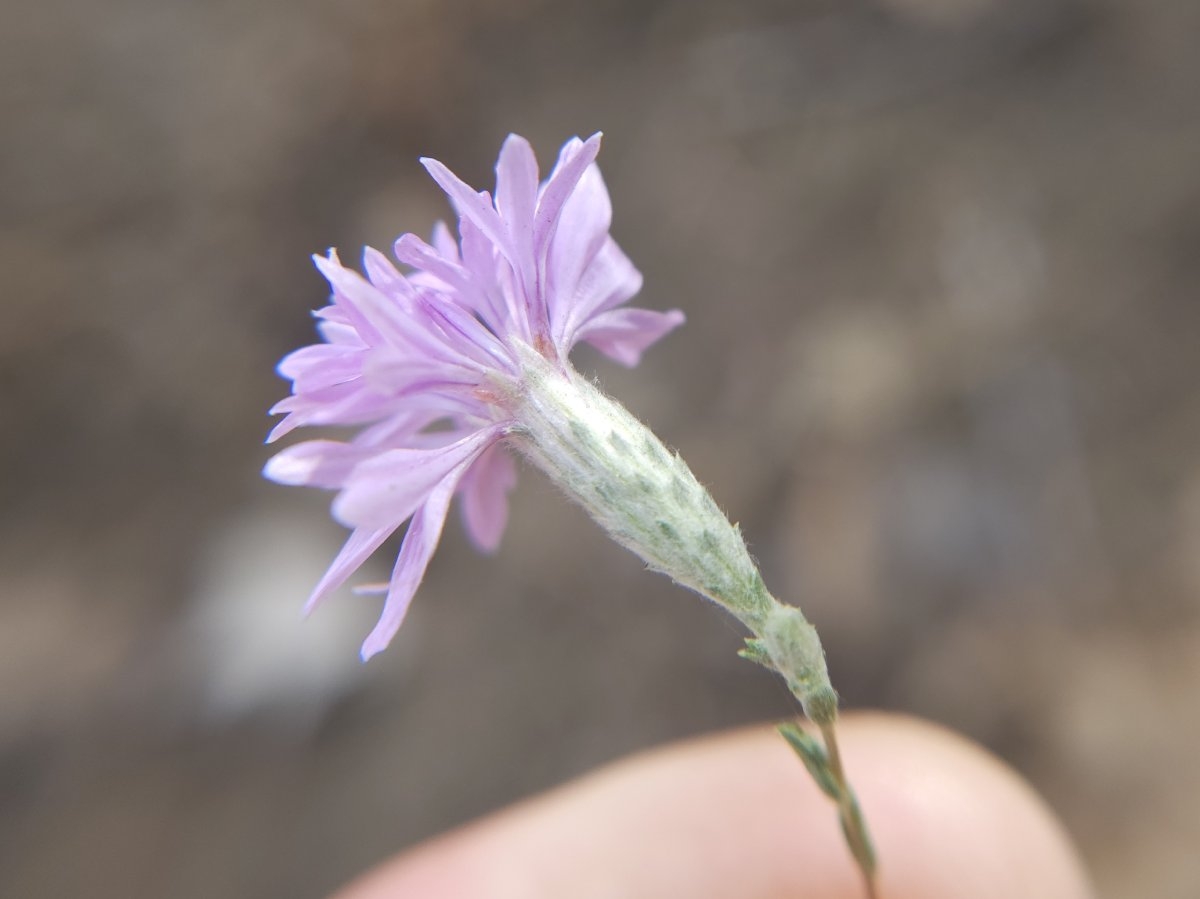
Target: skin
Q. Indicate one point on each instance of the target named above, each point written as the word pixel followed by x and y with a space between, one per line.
pixel 735 816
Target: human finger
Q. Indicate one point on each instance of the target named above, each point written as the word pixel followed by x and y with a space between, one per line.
pixel 735 815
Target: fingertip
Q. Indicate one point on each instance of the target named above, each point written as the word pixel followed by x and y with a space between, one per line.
pixel 950 819
pixel 736 815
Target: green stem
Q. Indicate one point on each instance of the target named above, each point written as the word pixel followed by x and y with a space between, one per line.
pixel 787 643
pixel 853 824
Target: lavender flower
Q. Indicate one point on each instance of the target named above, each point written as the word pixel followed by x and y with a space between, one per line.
pixel 449 366
pixel 434 362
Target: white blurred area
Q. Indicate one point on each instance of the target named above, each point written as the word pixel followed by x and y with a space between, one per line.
pixel 249 650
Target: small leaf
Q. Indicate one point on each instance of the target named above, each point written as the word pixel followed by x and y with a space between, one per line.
pixel 756 651
pixel 854 828
pixel 814 758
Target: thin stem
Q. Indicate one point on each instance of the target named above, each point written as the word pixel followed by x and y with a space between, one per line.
pixel 853 824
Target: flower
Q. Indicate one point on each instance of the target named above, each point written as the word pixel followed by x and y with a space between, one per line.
pixel 436 365
pixel 447 367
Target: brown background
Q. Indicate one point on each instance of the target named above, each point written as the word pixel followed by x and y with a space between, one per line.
pixel 939 259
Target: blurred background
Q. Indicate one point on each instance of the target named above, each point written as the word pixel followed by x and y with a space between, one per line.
pixel 939 260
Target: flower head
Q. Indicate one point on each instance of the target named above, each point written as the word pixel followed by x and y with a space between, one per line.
pixel 433 363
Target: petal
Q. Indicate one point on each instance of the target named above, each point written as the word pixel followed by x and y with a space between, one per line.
pixel 413 251
pixel 483 497
pixel 314 463
pixel 573 161
pixel 383 274
pixel 338 404
pixel 321 365
pixel 516 197
pixel 622 334
pixel 609 281
pixel 472 205
pixel 393 372
pixel 497 299
pixel 393 316
pixel 372 312
pixel 444 242
pixel 339 333
pixel 464 331
pixel 357 550
pixel 582 232
pixel 307 357
pixel 389 487
pixel 400 428
pixel 419 543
